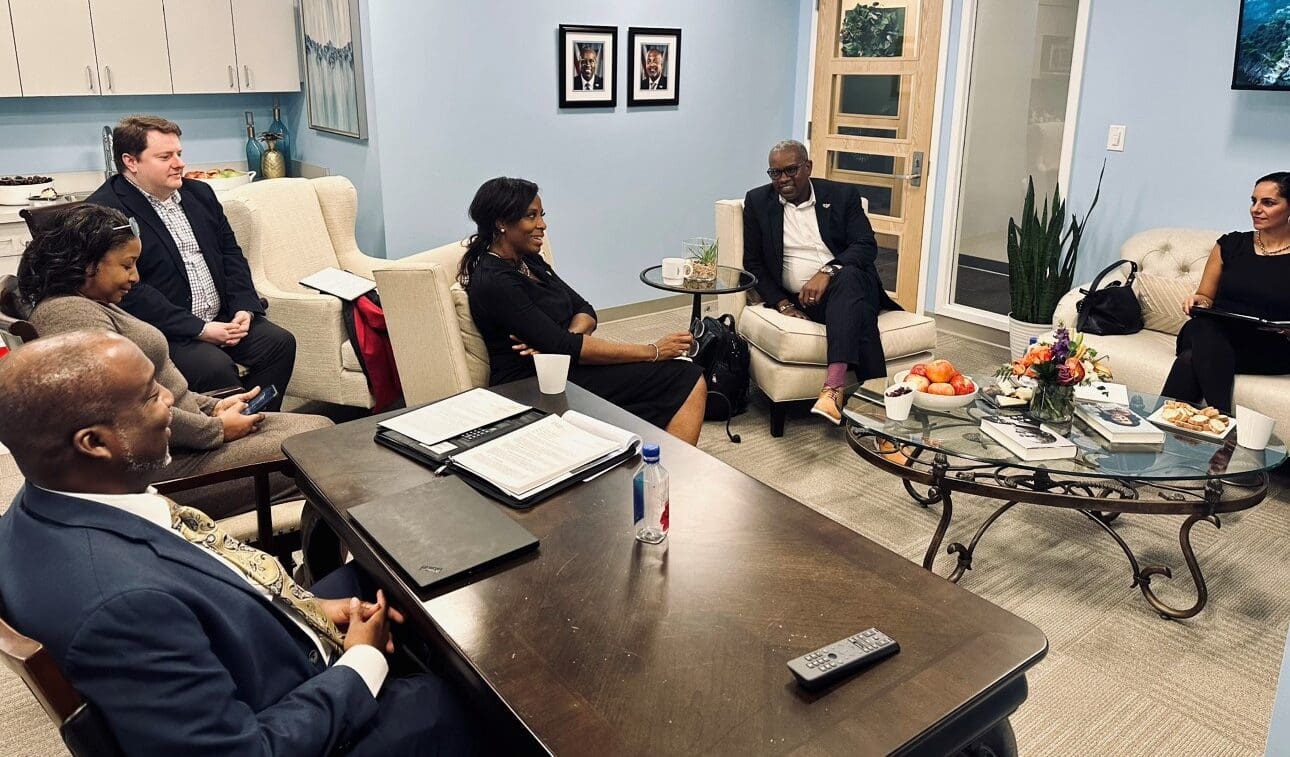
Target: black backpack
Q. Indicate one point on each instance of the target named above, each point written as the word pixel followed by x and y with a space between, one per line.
pixel 723 355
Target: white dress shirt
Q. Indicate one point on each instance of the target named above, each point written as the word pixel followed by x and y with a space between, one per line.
pixel 363 659
pixel 804 249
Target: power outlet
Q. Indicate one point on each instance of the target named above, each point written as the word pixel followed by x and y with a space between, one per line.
pixel 1115 138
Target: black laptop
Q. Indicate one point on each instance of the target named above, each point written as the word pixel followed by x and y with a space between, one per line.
pixel 441 530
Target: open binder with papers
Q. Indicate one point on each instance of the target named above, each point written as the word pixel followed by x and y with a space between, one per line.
pixel 515 453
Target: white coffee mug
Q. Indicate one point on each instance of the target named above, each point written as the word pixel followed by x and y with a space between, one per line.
pixel 675 269
pixel 1253 429
pixel 552 371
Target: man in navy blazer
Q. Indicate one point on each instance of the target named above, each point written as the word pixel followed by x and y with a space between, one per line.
pixel 194 283
pixel 178 650
pixel 810 245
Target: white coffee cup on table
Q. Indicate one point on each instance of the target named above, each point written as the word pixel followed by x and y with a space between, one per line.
pixel 676 269
pixel 1253 429
pixel 552 372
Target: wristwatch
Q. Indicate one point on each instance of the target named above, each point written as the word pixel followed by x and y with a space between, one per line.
pixel 828 269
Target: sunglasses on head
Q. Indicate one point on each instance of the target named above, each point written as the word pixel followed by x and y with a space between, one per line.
pixel 132 225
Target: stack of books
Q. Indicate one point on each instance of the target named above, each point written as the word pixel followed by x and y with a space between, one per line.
pixel 1027 439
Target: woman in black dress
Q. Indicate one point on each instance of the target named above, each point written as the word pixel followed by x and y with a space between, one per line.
pixel 1247 272
pixel 521 307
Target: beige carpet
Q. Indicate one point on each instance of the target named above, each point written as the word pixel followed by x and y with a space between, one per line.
pixel 1117 679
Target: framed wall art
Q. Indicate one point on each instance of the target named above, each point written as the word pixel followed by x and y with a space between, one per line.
pixel 587 75
pixel 653 66
pixel 334 67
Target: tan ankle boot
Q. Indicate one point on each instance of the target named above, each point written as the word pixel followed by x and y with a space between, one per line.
pixel 829 405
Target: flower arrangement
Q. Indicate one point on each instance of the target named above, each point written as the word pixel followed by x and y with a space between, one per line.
pixel 1057 364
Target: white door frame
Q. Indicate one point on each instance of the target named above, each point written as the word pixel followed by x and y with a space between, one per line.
pixel 945 261
pixel 930 171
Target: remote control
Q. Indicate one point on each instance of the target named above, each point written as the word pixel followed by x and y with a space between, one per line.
pixel 827 664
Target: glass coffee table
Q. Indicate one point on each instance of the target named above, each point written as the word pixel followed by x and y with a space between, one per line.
pixel 947 453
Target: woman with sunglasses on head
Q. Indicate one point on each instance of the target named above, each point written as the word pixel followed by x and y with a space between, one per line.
pixel 1247 272
pixel 521 308
pixel 72 275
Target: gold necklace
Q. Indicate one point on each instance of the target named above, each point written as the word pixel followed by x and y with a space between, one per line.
pixel 523 266
pixel 1258 238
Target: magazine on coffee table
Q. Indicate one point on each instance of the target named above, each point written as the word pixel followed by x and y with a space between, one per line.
pixel 1241 317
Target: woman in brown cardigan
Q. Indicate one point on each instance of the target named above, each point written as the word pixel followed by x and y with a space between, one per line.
pixel 72 275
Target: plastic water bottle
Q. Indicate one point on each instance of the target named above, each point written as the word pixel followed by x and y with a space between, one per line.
pixel 650 498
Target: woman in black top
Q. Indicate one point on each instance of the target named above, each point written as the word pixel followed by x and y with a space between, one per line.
pixel 521 308
pixel 1247 272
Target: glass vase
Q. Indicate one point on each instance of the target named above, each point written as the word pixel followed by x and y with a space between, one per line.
pixel 1053 403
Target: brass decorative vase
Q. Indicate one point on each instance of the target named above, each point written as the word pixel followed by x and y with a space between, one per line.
pixel 273 165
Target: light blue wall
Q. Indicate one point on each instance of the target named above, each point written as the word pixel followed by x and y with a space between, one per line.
pixel 464 95
pixel 56 134
pixel 1194 146
pixel 802 77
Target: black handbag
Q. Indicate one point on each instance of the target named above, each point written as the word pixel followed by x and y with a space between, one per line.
pixel 723 355
pixel 1113 309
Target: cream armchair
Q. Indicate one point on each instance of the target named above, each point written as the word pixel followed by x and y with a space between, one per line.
pixel 788 354
pixel 1170 263
pixel 289 229
pixel 436 345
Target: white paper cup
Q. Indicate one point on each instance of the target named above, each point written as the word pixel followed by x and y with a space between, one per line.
pixel 1253 429
pixel 898 407
pixel 552 372
pixel 676 269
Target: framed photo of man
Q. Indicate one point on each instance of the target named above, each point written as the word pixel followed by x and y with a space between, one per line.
pixel 653 66
pixel 587 76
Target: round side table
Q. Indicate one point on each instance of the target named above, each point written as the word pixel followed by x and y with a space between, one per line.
pixel 729 280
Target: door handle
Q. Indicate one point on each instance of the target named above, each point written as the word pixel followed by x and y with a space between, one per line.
pixel 915 175
pixel 246 71
pixel 108 70
pixel 231 84
pixel 89 77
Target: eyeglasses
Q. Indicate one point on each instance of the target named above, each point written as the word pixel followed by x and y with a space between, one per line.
pixel 133 226
pixel 789 171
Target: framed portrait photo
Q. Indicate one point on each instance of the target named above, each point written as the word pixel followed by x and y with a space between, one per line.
pixel 653 66
pixel 587 75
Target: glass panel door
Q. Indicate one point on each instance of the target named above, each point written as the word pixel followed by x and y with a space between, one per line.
pixel 875 82
pixel 1016 118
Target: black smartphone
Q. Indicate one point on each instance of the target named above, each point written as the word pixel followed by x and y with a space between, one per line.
pixel 260 401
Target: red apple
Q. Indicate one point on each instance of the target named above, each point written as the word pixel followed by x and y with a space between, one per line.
pixel 940 371
pixel 941 388
pixel 919 369
pixel 917 383
pixel 962 384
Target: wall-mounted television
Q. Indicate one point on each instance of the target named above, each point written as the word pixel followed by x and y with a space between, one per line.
pixel 1263 46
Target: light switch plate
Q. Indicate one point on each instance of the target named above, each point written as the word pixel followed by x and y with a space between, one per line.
pixel 1115 138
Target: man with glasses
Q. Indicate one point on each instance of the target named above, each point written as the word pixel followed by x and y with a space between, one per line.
pixel 194 284
pixel 812 249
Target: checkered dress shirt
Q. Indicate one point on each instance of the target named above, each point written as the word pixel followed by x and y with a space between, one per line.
pixel 206 300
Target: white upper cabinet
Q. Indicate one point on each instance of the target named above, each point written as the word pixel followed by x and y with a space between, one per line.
pixel 202 56
pixel 55 45
pixel 130 38
pixel 9 85
pixel 265 34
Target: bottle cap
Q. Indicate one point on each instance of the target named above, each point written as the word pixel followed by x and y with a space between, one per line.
pixel 650 453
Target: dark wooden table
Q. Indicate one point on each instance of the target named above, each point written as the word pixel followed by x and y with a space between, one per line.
pixel 598 644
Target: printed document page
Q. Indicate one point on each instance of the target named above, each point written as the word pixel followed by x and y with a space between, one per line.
pixel 454 416
pixel 539 454
pixel 345 285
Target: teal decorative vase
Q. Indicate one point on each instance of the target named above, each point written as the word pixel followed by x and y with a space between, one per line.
pixel 254 151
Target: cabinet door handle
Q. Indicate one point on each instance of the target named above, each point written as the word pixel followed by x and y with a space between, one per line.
pixel 108 69
pixel 231 85
pixel 89 77
pixel 246 70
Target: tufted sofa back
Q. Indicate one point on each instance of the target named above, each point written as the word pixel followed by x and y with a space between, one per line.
pixel 1174 253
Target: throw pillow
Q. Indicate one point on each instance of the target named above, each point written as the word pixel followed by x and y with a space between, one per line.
pixel 476 351
pixel 1161 298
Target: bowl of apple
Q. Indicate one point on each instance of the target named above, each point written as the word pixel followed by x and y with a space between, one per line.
pixel 222 179
pixel 938 385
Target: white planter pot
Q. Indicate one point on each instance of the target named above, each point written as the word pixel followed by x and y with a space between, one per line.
pixel 1020 333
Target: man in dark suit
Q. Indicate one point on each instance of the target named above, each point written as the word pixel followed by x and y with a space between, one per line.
pixel 185 640
pixel 812 249
pixel 587 77
pixel 194 284
pixel 653 76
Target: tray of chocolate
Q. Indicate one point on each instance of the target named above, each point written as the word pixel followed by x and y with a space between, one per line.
pixel 1199 421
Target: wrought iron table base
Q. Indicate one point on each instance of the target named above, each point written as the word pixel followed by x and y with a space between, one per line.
pixel 1111 497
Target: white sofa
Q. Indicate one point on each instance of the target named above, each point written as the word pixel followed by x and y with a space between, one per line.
pixel 788 354
pixel 1142 360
